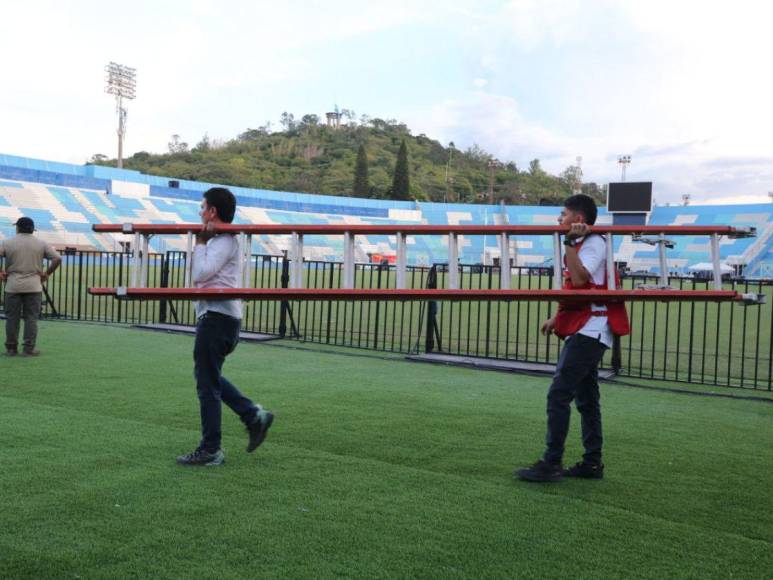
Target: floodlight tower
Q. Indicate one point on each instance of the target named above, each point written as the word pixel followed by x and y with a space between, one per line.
pixel 623 160
pixel 121 82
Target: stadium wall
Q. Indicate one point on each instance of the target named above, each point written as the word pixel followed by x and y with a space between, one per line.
pixel 66 198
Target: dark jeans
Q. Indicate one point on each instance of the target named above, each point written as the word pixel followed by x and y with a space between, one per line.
pixel 576 378
pixel 216 337
pixel 17 306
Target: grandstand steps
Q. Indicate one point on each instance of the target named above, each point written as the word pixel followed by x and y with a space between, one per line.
pixel 83 200
pixel 757 253
pixel 106 242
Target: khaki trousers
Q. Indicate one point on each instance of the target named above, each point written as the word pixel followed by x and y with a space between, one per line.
pixel 20 306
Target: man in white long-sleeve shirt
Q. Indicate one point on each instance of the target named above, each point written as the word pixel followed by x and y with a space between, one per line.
pixel 216 265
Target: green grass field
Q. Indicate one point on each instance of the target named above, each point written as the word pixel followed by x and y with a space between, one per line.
pixel 375 468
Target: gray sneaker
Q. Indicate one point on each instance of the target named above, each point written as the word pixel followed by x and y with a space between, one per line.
pixel 199 457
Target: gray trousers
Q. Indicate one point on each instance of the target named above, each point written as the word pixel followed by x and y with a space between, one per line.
pixel 17 306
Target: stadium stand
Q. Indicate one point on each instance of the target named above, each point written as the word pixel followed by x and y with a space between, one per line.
pixel 65 199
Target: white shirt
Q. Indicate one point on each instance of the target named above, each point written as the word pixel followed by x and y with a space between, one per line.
pixel 216 265
pixel 593 255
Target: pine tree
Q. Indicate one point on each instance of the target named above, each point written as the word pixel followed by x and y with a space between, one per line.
pixel 401 185
pixel 361 184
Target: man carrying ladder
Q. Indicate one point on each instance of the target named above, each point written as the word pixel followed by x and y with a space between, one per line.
pixel 588 331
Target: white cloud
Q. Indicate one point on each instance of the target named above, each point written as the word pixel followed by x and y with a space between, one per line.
pixel 496 123
pixel 682 86
pixel 492 121
pixel 533 23
pixel 688 95
pixel 202 67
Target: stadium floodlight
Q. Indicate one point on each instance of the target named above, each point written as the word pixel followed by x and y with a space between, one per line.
pixel 623 160
pixel 121 82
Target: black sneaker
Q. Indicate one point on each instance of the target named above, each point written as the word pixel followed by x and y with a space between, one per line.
pixel 258 429
pixel 202 458
pixel 541 471
pixel 586 470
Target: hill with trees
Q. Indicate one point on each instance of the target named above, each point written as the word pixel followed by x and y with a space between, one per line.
pixel 365 157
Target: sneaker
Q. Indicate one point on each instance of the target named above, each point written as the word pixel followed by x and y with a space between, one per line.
pixel 258 429
pixel 541 471
pixel 11 352
pixel 30 352
pixel 586 470
pixel 201 457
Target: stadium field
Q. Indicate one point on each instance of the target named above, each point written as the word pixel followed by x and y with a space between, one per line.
pixel 375 468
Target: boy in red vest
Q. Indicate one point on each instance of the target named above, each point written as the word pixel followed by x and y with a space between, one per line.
pixel 588 330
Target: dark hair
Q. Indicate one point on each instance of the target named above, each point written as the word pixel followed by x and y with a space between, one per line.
pixel 583 204
pixel 223 201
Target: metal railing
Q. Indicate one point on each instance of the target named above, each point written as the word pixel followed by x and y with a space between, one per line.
pixel 720 344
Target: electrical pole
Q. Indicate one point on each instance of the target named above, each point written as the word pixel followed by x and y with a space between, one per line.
pixel 492 165
pixel 577 185
pixel 121 82
pixel 446 197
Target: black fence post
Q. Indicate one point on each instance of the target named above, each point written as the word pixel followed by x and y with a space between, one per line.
pixel 80 282
pixel 617 359
pixel 285 281
pixel 381 267
pixel 488 311
pixel 432 328
pixel 120 283
pixel 164 284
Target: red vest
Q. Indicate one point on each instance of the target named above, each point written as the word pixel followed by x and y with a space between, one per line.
pixel 572 316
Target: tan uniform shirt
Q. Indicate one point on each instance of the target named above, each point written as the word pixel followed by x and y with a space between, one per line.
pixel 24 255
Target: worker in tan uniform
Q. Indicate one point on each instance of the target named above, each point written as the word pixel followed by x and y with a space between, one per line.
pixel 24 277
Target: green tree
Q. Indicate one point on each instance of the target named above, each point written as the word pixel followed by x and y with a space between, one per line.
pixel 361 183
pixel 177 145
pixel 401 183
pixel 303 156
pixel 534 167
pixel 204 145
pixel 287 120
pixel 97 159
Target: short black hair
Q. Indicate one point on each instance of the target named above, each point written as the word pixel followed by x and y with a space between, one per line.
pixel 583 204
pixel 223 201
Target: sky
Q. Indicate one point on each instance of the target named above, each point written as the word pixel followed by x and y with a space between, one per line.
pixel 683 87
